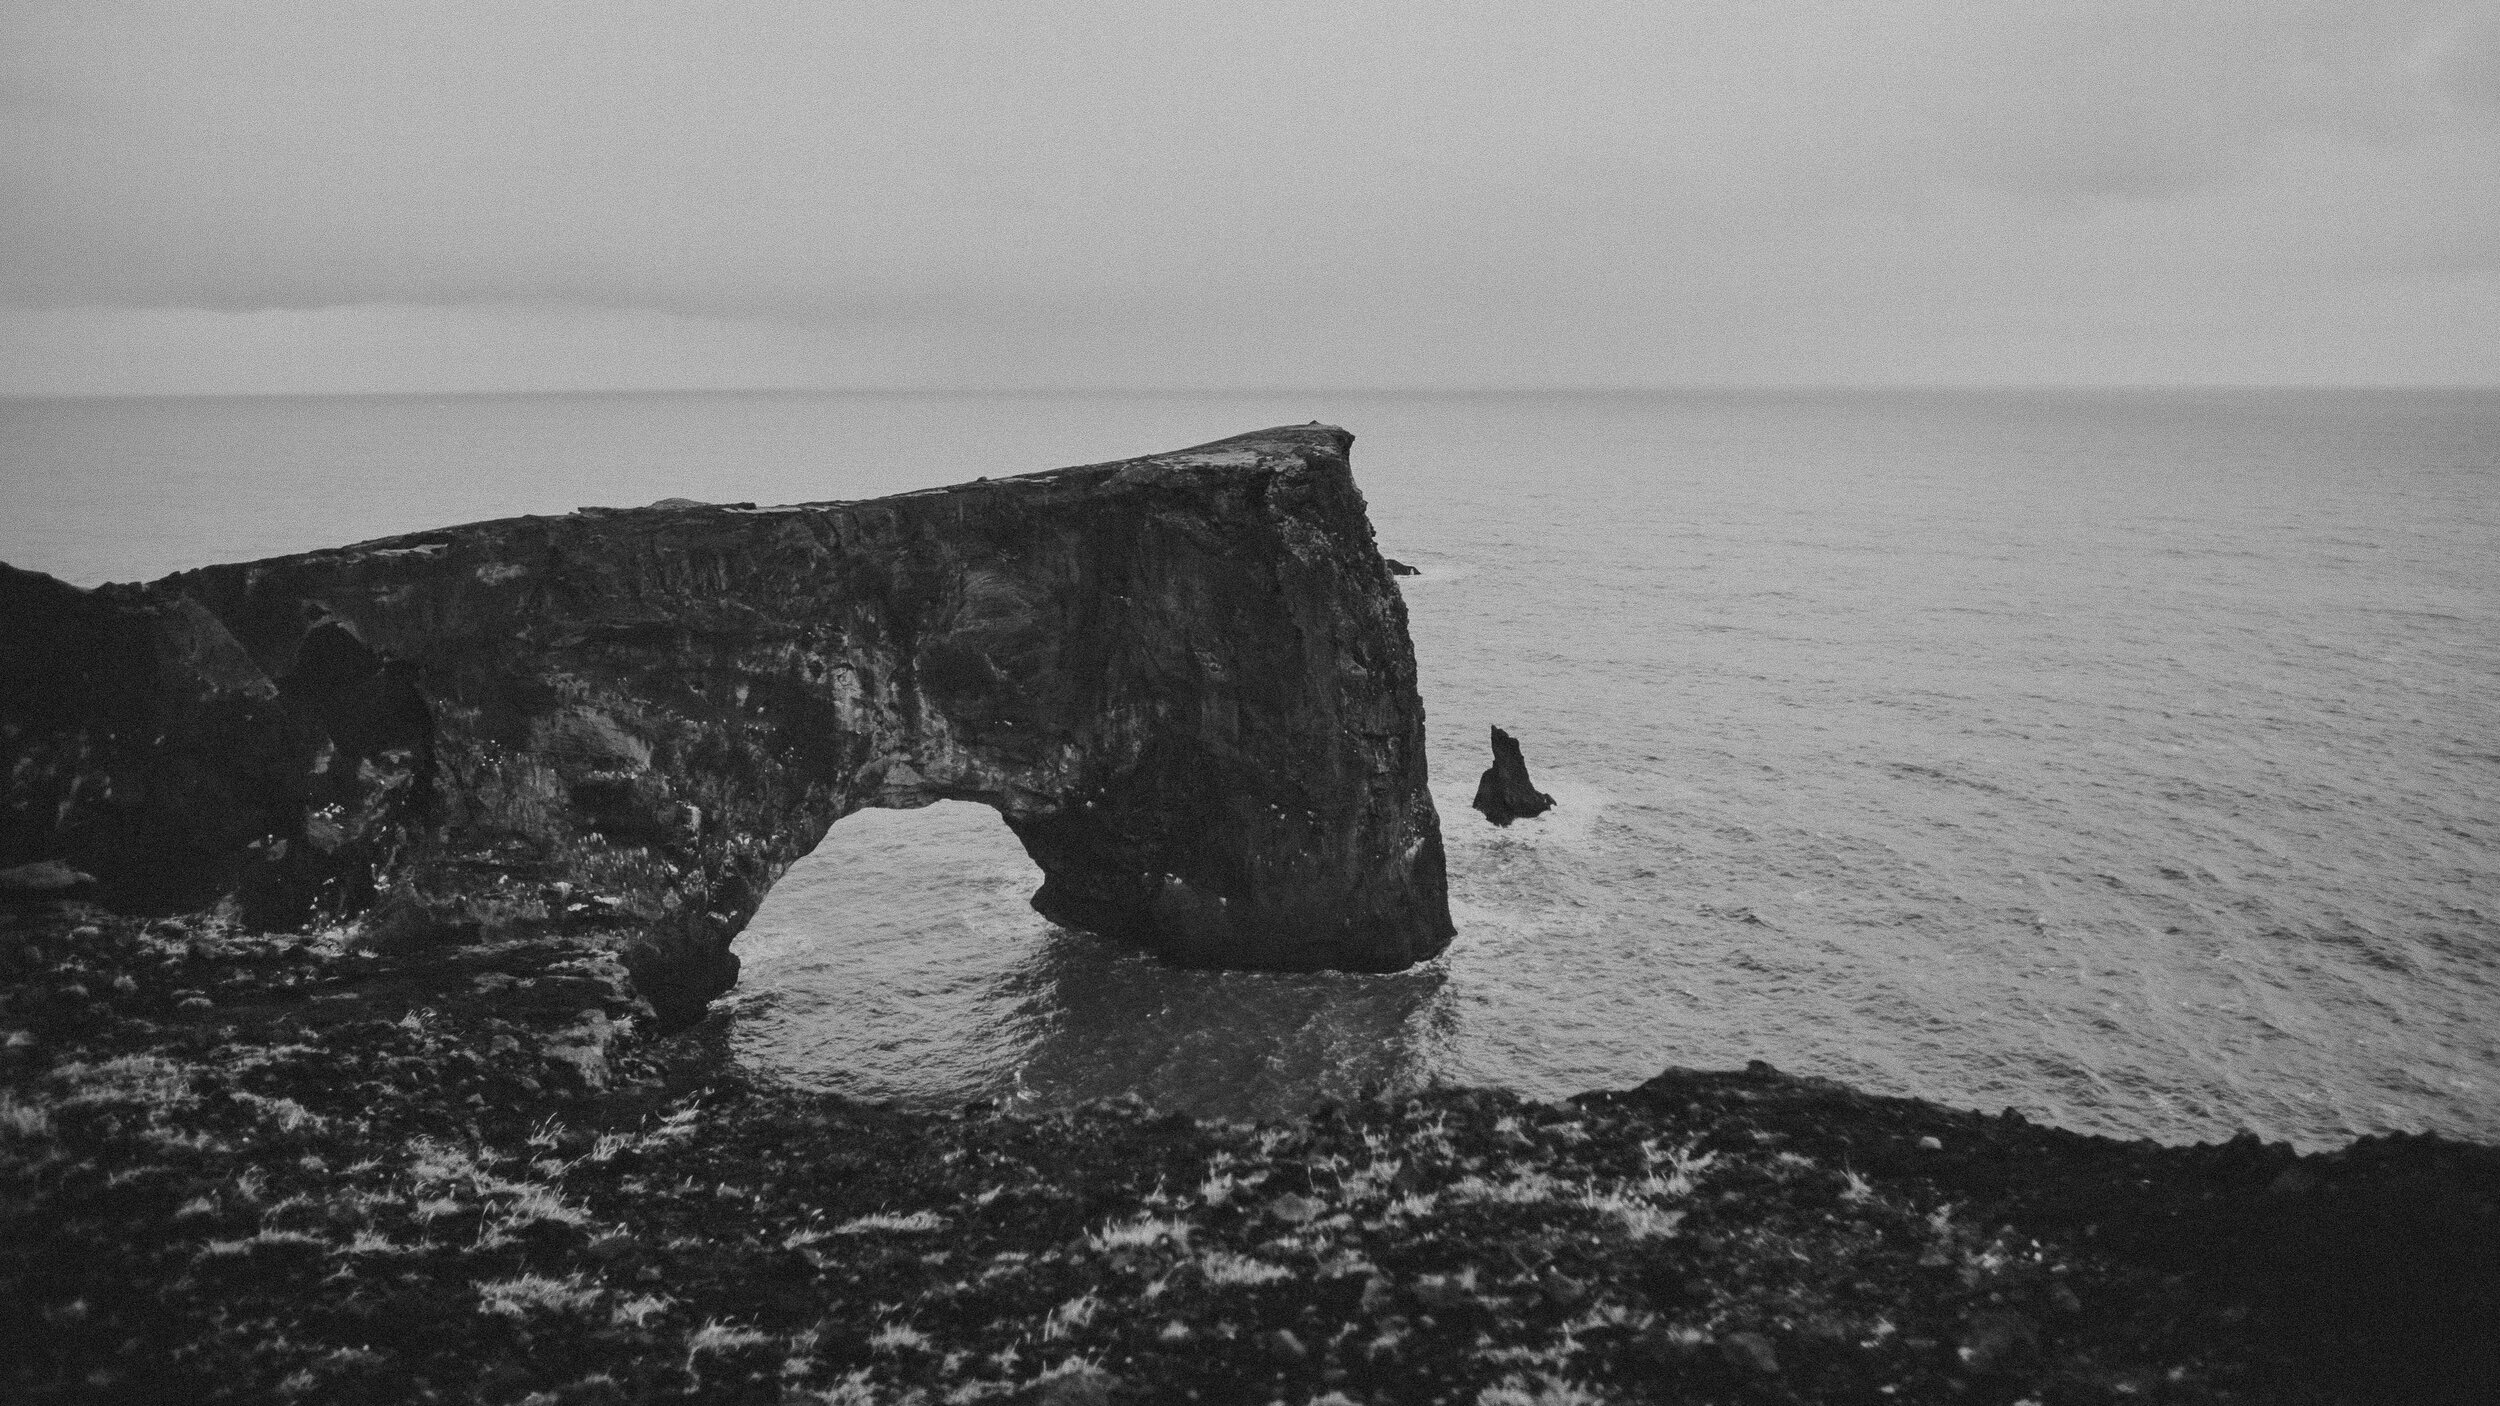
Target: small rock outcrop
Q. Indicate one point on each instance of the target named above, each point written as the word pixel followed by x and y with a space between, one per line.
pixel 1505 793
pixel 1185 681
pixel 43 881
pixel 1399 568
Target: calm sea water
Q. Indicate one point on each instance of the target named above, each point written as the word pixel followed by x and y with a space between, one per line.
pixel 2129 759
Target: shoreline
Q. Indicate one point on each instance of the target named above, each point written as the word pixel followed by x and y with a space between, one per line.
pixel 267 1167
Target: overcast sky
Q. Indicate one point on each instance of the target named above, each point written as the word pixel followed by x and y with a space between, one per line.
pixel 516 195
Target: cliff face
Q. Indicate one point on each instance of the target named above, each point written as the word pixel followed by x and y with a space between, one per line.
pixel 1185 681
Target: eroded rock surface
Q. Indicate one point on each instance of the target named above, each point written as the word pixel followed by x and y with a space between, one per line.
pixel 1185 681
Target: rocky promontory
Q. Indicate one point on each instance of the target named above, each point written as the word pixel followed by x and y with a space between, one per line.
pixel 1184 681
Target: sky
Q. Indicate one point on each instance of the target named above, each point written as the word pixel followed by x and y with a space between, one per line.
pixel 207 198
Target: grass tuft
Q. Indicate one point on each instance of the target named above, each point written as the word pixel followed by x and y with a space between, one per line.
pixel 916 1223
pixel 1222 1270
pixel 525 1294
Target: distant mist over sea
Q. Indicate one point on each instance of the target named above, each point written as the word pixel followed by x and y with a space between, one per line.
pixel 2128 758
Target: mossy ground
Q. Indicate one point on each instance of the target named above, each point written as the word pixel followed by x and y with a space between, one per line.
pixel 249 1169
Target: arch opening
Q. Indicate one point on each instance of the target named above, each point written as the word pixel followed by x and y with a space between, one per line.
pixel 901 959
pixel 880 965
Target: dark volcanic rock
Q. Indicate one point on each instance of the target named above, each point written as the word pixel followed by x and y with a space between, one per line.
pixel 345 1181
pixel 1399 568
pixel 1505 793
pixel 1185 681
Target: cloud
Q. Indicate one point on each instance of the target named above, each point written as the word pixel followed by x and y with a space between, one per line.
pixel 1254 192
pixel 2135 99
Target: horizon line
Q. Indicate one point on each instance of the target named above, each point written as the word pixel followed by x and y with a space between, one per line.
pixel 1244 392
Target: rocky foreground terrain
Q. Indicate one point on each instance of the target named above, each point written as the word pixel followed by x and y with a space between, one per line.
pixel 245 1168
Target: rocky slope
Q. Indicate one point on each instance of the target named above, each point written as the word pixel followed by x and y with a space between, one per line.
pixel 244 1167
pixel 1184 681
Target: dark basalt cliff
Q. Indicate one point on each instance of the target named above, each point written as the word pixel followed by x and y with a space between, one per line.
pixel 1185 681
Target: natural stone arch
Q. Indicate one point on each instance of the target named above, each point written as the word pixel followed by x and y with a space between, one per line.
pixel 1185 681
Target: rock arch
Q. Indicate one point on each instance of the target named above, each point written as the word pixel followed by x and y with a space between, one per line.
pixel 1185 681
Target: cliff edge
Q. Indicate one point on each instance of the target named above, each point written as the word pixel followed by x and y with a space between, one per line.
pixel 1184 681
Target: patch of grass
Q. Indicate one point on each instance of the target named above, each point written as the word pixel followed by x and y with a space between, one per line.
pixel 1552 1391
pixel 716 1337
pixel 1063 1321
pixel 1141 1233
pixel 222 1249
pixel 147 1080
pixel 1640 1218
pixel 527 1294
pixel 899 1337
pixel 637 1312
pixel 1224 1269
pixel 915 1223
pixel 1523 1187
pixel 286 1113
pixel 21 1119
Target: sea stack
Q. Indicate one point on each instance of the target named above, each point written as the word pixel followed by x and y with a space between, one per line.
pixel 1505 793
pixel 1184 681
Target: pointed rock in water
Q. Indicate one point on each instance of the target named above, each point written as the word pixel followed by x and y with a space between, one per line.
pixel 1184 681
pixel 1399 568
pixel 1506 794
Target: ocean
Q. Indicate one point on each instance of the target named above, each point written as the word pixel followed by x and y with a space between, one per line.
pixel 2130 759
